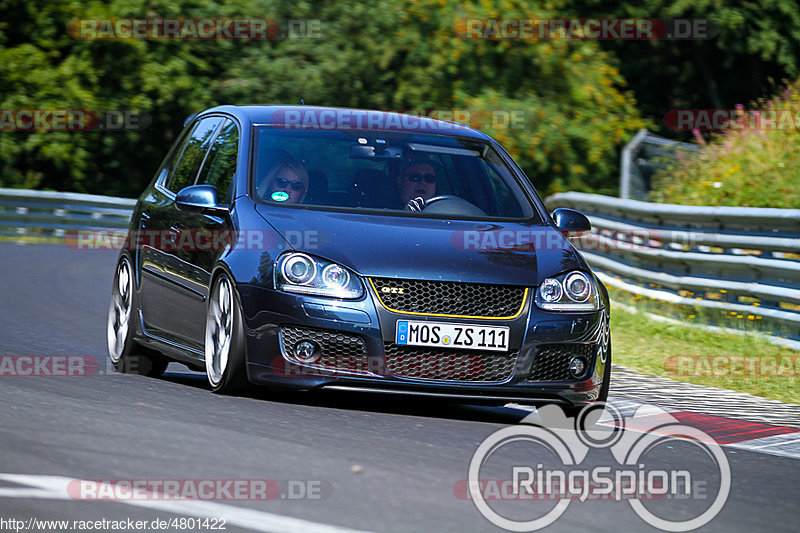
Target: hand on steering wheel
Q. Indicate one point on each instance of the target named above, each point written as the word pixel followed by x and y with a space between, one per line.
pixel 415 204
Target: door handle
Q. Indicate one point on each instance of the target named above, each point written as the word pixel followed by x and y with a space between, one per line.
pixel 173 233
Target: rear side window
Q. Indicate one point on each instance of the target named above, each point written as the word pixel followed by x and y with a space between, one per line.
pixel 220 165
pixel 193 153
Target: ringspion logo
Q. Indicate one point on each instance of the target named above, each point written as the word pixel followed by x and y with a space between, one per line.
pixel 636 474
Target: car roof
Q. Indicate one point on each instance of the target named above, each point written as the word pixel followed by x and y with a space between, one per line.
pixel 344 118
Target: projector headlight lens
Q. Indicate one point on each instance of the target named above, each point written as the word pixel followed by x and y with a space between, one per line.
pixel 550 290
pixel 578 286
pixel 335 277
pixel 304 274
pixel 573 291
pixel 299 269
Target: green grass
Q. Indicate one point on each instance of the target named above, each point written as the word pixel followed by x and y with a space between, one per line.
pixel 662 349
pixel 28 239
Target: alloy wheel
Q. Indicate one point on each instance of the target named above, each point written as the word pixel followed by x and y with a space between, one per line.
pixel 119 311
pixel 219 330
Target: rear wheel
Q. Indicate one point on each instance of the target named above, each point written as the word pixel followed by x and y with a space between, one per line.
pixel 224 342
pixel 125 353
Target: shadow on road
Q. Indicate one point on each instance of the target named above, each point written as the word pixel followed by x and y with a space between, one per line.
pixel 368 401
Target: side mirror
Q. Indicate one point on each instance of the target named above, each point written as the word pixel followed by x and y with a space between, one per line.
pixel 201 198
pixel 571 221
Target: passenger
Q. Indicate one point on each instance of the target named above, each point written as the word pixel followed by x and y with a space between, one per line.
pixel 416 182
pixel 287 182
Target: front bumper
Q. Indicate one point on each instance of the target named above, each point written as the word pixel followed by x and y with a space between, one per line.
pixel 270 314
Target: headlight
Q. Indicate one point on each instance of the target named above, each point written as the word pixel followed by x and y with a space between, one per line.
pixel 551 291
pixel 299 269
pixel 304 274
pixel 574 291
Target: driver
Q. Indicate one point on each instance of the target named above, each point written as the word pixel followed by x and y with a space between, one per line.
pixel 286 182
pixel 416 184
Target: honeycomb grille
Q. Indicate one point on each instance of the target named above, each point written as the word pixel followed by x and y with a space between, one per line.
pixel 444 364
pixel 449 297
pixel 340 351
pixel 552 361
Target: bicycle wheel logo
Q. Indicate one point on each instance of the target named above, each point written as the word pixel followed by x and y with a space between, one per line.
pixel 631 478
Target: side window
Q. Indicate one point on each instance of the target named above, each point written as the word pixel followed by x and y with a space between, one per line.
pixel 220 165
pixel 169 162
pixel 193 152
pixel 506 203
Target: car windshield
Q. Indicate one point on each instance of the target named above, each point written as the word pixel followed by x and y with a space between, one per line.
pixel 411 173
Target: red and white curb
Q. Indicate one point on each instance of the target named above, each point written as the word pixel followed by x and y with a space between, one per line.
pixel 761 437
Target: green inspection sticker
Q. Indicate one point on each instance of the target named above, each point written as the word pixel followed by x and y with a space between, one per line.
pixel 280 196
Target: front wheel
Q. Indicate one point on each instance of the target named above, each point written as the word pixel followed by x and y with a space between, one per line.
pixel 224 342
pixel 602 395
pixel 127 355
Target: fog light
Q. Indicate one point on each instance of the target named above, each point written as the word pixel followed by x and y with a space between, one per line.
pixel 307 351
pixel 577 366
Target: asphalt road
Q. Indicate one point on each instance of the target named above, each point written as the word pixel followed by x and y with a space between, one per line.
pixel 372 462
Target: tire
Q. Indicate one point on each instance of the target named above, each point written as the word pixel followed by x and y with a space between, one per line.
pixel 602 396
pixel 224 339
pixel 127 355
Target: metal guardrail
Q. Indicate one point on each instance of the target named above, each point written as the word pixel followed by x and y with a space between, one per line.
pixel 642 157
pixel 727 266
pixel 52 214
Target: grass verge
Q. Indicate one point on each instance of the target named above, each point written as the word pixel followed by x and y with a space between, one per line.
pixel 744 363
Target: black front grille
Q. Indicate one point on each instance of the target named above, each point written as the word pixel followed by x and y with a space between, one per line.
pixel 340 351
pixel 551 362
pixel 445 364
pixel 449 297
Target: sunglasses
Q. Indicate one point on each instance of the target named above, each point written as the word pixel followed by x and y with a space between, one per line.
pixel 429 178
pixel 281 183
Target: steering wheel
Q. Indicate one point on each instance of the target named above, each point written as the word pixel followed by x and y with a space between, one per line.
pixel 445 204
pixel 440 198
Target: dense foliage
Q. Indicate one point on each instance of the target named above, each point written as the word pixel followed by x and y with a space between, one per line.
pixel 572 108
pixel 756 167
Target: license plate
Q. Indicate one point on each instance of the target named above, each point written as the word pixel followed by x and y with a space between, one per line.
pixel 447 335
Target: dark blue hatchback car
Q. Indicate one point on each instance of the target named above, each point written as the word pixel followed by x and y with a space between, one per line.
pixel 307 247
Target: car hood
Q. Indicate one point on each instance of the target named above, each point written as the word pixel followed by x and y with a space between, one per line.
pixel 514 253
